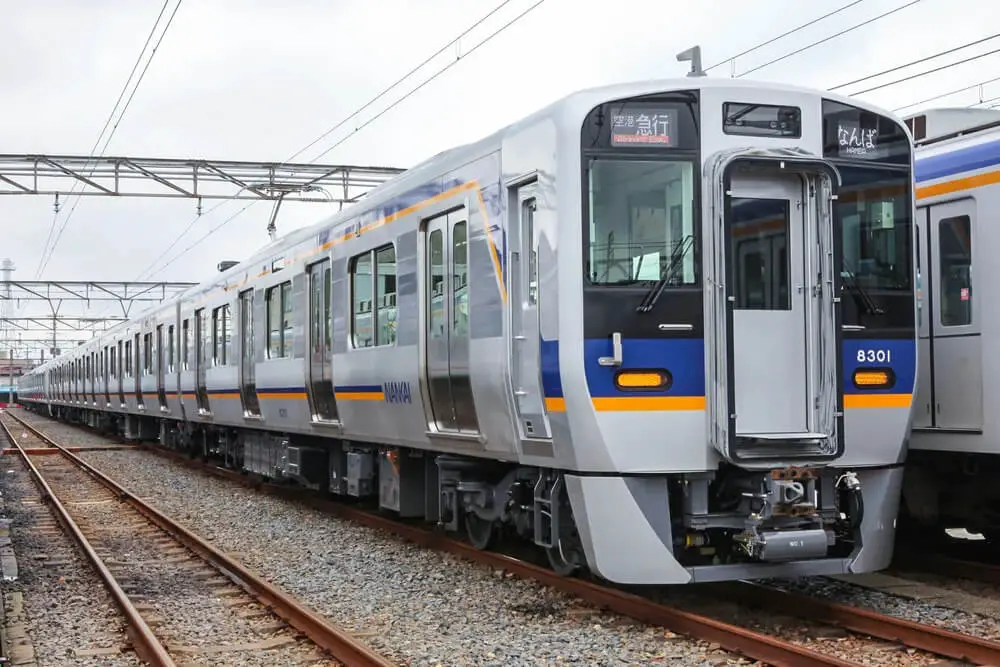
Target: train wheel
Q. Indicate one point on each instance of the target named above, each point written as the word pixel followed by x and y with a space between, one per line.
pixel 481 533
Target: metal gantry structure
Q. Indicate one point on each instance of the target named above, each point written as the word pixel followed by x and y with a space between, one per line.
pixel 56 175
pixel 55 326
pixel 199 179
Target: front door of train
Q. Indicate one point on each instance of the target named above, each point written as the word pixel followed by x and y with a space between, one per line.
pixel 766 287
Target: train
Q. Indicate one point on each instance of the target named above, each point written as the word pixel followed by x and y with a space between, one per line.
pixel 662 332
pixel 952 463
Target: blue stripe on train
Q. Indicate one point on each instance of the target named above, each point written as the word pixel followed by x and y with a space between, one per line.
pixel 684 358
pixel 981 156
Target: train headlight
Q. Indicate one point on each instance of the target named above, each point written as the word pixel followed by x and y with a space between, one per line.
pixel 874 378
pixel 642 380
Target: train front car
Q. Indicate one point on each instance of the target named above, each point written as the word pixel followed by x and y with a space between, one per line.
pixel 738 389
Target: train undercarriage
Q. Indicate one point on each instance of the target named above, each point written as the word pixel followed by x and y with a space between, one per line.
pixel 724 517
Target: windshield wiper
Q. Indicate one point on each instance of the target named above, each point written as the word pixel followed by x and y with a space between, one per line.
pixel 871 307
pixel 677 256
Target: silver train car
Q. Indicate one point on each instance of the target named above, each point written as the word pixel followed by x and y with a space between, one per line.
pixel 664 330
pixel 951 472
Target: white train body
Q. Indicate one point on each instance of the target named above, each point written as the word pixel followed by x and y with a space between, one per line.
pixel 556 340
pixel 953 463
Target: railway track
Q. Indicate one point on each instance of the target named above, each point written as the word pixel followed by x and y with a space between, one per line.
pixel 766 648
pixel 182 599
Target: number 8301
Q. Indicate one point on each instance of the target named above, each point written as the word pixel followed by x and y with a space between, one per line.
pixel 875 356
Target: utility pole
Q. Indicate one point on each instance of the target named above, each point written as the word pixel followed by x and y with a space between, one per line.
pixel 6 270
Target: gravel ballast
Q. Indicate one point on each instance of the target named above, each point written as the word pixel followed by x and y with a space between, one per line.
pixel 414 605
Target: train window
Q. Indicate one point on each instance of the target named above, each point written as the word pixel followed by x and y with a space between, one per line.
pixel 460 276
pixel 170 348
pixel 278 300
pixel 221 330
pixel 955 269
pixel 436 307
pixel 761 120
pixel 361 300
pixel 186 344
pixel 200 335
pixel 875 221
pixel 642 222
pixel 147 354
pixel 128 358
pixel 385 294
pixel 759 253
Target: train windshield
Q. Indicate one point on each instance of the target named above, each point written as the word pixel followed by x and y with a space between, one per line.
pixel 875 219
pixel 642 225
pixel 874 214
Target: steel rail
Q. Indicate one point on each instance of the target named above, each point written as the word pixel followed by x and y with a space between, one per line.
pixel 931 638
pixel 340 644
pixel 146 645
pixel 733 638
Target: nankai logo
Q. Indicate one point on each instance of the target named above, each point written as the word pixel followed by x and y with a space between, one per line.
pixel 397 392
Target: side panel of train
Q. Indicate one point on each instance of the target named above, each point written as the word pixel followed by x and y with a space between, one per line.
pixel 952 465
pixel 335 363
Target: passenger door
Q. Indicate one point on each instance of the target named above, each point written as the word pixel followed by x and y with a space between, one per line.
pixel 954 332
pixel 525 342
pixel 767 265
pixel 248 362
pixel 446 328
pixel 321 400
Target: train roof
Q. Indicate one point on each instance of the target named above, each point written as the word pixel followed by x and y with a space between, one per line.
pixel 572 106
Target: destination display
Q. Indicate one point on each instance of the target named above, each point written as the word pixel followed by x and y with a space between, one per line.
pixel 850 133
pixel 643 125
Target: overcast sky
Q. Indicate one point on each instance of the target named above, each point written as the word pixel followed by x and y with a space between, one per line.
pixel 258 80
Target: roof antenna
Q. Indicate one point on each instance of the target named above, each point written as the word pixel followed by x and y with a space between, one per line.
pixel 694 55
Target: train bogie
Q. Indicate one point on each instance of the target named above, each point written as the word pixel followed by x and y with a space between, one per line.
pixel 624 320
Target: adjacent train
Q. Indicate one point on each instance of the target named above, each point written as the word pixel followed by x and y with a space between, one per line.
pixel 953 464
pixel 665 331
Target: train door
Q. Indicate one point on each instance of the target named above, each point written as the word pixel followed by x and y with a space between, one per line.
pixel 321 399
pixel 159 358
pixel 525 332
pixel 954 329
pixel 447 324
pixel 766 278
pixel 138 370
pixel 248 361
pixel 923 415
pixel 121 373
pixel 201 337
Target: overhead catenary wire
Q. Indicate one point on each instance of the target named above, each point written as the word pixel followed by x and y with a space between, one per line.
pixel 325 134
pixel 925 73
pixel 947 94
pixel 412 91
pixel 897 68
pixel 865 23
pixel 135 66
pixel 787 33
pixel 114 128
pixel 398 81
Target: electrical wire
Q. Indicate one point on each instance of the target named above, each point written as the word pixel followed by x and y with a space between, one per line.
pixel 948 94
pixel 785 34
pixel 433 76
pixel 863 24
pixel 114 128
pixel 370 120
pixel 915 62
pixel 922 74
pixel 149 38
pixel 397 82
